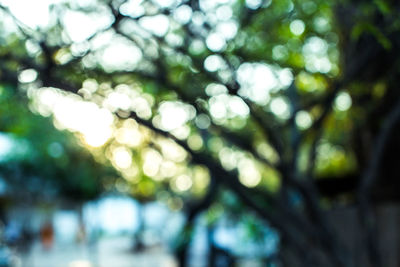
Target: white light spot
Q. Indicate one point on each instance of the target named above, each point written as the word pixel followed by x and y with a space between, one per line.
pixel 28 76
pixel 213 63
pixel 152 162
pixel 74 114
pixel 87 118
pixel 225 106
pixel 214 89
pixel 165 3
pixel 132 8
pixel 79 49
pixel 256 80
pixel 227 29
pixel 32 47
pixel 218 107
pixel 158 24
pixel 315 45
pixel 120 56
pixel 248 173
pixel 280 108
pixel 253 4
pixel 129 136
pixel 197 47
pixel 79 26
pixel 122 157
pixel 142 107
pixel 279 52
pixel 315 53
pixel 181 132
pixel 343 101
pixel 202 121
pixel 215 42
pixel 183 182
pixel 116 100
pixel 224 12
pixel 297 27
pixel 183 14
pixel 321 24
pixel 285 77
pixel 207 5
pixel 175 114
pixel 318 64
pixel 303 120
pixel 168 169
pixel 198 18
pixel 32 13
pixel 6 146
pixel 237 106
pixel 172 151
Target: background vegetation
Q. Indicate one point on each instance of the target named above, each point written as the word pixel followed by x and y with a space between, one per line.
pixel 291 106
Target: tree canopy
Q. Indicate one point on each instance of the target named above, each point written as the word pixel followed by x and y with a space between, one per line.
pixel 287 104
pixel 43 163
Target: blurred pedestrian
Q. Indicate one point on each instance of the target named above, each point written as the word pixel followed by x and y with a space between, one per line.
pixel 12 233
pixel 47 235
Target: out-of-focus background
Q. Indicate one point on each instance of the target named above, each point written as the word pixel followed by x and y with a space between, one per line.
pixel 199 133
pixel 114 231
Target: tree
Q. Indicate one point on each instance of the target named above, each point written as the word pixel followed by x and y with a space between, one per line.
pixel 44 163
pixel 288 104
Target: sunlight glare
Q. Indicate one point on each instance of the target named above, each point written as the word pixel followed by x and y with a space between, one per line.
pixel 256 80
pixel 80 26
pixel 175 114
pixel 303 120
pixel 129 136
pixel 183 14
pixel 152 162
pixel 297 27
pixel 253 4
pixel 214 62
pixel 74 114
pixel 27 76
pixel 158 24
pixel 117 100
pixel 168 169
pixel 132 8
pixel 215 42
pixel 248 174
pixel 183 182
pixel 172 151
pixel 120 55
pixel 315 51
pixel 34 14
pixel 280 107
pixel 227 29
pixel 343 101
pixel 122 157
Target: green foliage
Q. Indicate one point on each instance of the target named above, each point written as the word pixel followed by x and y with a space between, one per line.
pixel 263 97
pixel 42 154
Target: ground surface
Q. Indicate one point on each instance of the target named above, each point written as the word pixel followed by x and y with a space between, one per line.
pixel 110 252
